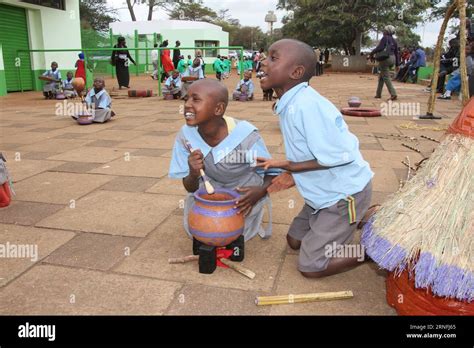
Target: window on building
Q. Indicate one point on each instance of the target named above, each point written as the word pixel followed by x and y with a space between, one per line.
pixel 57 4
pixel 207 53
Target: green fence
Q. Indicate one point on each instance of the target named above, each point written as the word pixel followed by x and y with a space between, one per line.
pixel 98 59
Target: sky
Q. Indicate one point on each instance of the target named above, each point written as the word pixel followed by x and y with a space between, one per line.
pixel 252 13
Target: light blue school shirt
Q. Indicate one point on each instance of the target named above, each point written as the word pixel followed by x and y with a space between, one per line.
pixel 248 83
pixel 179 167
pixel 313 129
pixel 102 99
pixel 190 71
pixel 176 81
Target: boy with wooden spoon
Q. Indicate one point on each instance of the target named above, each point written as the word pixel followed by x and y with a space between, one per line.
pixel 226 148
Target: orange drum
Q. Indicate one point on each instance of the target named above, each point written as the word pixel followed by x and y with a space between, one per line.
pixel 78 84
pixel 361 112
pixel 408 300
pixel 140 93
pixel 213 219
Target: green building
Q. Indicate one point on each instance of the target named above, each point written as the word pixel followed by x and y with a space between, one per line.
pixel 36 24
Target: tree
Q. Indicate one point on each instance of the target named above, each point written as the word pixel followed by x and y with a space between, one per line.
pixel 130 5
pixel 96 15
pixel 250 37
pixel 407 38
pixel 346 24
pixel 192 11
pixel 151 4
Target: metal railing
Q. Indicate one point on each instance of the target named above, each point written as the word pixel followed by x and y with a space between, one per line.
pixel 110 49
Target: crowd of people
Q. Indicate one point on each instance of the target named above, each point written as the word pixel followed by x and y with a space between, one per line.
pixel 408 61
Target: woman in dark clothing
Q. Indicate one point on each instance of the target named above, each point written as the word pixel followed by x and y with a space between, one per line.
pixel 120 58
pixel 176 54
pixel 386 64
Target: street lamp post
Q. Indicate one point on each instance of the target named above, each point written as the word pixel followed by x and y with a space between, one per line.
pixel 270 18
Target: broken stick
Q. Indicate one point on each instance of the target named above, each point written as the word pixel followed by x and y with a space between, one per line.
pixel 322 296
pixel 246 272
pixel 411 148
pixel 184 259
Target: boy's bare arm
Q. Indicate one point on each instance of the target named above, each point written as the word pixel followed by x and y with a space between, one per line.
pixel 251 195
pixel 294 167
pixel 191 183
pixel 196 163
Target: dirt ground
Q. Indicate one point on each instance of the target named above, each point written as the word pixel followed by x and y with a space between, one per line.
pixel 97 202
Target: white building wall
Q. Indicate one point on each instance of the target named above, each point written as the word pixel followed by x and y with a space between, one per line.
pixel 50 28
pixel 187 32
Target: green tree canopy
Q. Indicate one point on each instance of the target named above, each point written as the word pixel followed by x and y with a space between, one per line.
pixel 346 24
pixel 96 15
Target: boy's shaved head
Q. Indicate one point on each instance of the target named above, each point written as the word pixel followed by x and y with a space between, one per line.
pixel 302 54
pixel 214 89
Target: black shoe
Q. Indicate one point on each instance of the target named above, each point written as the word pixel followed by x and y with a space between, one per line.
pixel 378 97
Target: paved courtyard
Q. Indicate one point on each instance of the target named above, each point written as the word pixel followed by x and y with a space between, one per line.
pixel 97 202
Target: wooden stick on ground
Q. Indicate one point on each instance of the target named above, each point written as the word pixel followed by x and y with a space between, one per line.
pixel 411 148
pixel 184 259
pixel 322 296
pixel 238 268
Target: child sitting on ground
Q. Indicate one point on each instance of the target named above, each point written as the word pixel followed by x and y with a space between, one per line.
pixel 323 158
pixel 225 148
pixel 68 88
pixel 99 101
pixel 244 88
pixel 192 73
pixel 173 85
pixel 51 87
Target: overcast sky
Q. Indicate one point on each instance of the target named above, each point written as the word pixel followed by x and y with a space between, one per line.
pixel 252 13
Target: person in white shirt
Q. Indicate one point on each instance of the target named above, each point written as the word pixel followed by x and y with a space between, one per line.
pixel 154 61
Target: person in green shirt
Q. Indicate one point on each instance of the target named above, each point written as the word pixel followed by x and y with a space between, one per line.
pixel 227 67
pixel 248 64
pixel 218 67
pixel 182 65
pixel 190 61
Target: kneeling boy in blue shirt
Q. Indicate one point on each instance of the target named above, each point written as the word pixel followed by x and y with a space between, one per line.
pixel 324 160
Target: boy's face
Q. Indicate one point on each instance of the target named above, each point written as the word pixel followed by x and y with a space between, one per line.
pixel 69 75
pixel 54 66
pixel 175 74
pixel 99 84
pixel 200 106
pixel 277 67
pixel 247 76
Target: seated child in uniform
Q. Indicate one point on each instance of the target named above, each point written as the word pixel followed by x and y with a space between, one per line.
pixel 99 101
pixel 173 85
pixel 245 87
pixel 192 73
pixel 225 148
pixel 51 88
pixel 324 160
pixel 68 88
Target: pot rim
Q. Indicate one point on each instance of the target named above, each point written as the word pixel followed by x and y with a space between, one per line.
pixel 197 196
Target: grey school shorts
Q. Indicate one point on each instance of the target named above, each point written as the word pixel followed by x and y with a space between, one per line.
pixel 319 231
